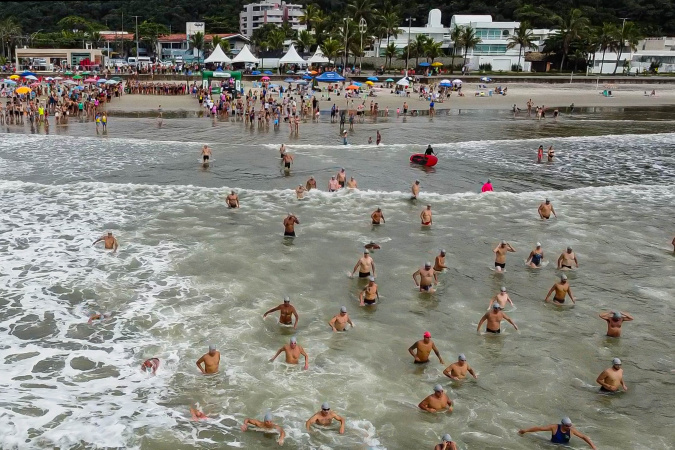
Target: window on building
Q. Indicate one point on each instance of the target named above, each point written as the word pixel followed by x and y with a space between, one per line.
pixel 505 33
pixel 490 49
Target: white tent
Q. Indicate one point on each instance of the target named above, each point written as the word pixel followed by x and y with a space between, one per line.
pixel 318 57
pixel 245 56
pixel 218 56
pixel 403 82
pixel 292 57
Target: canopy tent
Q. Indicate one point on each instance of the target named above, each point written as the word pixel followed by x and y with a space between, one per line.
pixel 245 56
pixel 403 82
pixel 318 57
pixel 330 77
pixel 291 57
pixel 218 56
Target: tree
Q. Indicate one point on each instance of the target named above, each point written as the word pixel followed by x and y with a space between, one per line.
pixel 391 52
pixel 468 40
pixel 628 35
pixel 418 45
pixel 9 32
pixel 331 49
pixel 275 40
pixel 390 22
pixel 432 50
pixel 305 40
pixel 571 29
pixel 359 9
pixel 197 41
pixel 149 33
pixel 311 16
pixel 523 38
pixel 456 37
pixel 605 38
pixel 78 23
pixel 259 36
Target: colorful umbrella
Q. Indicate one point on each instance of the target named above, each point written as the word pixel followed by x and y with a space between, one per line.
pixel 27 73
pixel 256 72
pixel 88 80
pixel 13 77
pixel 30 77
pixel 23 90
pixel 265 78
pixel 111 82
pixel 34 85
pixel 306 77
pixel 424 64
pixel 313 72
pixel 289 80
pixel 458 81
pixel 437 64
pixel 352 87
pixel 389 80
pixel 86 72
pixel 369 83
pixel 268 72
pixel 9 82
pixel 77 77
pixel 372 79
pixel 58 78
pixel 67 72
pixel 101 80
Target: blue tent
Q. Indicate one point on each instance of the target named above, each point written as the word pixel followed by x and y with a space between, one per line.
pixel 255 72
pixel 330 77
pixel 306 77
pixel 424 64
pixel 268 72
pixel 26 73
pixel 372 79
pixel 445 84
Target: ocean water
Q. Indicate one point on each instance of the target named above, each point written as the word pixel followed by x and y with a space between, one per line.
pixel 190 272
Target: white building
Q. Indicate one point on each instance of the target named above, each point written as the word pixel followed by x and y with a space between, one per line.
pixel 256 15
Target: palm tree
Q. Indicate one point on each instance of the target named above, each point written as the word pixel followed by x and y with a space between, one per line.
pixel 390 52
pixel 9 31
pixel 419 44
pixel 468 40
pixel 456 37
pixel 311 17
pixel 361 9
pixel 523 38
pixel 305 40
pixel 331 49
pixel 571 29
pixel 390 22
pixel 275 39
pixel 433 50
pixel 605 38
pixel 216 41
pixel 197 41
pixel 629 35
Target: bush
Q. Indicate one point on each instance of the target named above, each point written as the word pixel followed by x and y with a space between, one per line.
pixel 487 67
pixel 368 66
pixel 516 68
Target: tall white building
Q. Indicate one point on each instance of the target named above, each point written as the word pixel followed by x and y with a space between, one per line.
pixel 256 15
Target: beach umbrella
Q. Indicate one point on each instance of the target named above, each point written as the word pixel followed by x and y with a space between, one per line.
pixel 27 73
pixel 255 72
pixel 389 80
pixel 445 81
pixel 403 82
pixel 372 79
pixel 313 72
pixel 457 81
pixel 268 72
pixel 30 77
pixel 485 79
pixel 101 80
pixel 289 80
pixel 424 64
pixel 274 85
pixel 23 90
pixel 13 77
pixel 49 78
pixel 69 82
pixel 86 72
pixel 77 77
pixel 58 78
pixel 34 84
pixel 437 64
pixel 111 82
pixel 116 78
pixel 369 83
pixel 89 80
pixel 67 72
pixel 9 82
pixel 352 87
pixel 81 88
pixel 442 84
pixel 302 82
pixel 265 78
pixel 356 83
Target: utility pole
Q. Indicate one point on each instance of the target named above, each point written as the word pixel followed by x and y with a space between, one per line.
pixel 344 67
pixel 410 19
pixel 137 65
pixel 362 29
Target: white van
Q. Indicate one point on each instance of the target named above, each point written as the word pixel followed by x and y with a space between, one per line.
pixel 143 61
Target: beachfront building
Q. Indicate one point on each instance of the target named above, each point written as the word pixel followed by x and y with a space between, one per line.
pixel 258 14
pixel 653 52
pixel 176 46
pixel 49 59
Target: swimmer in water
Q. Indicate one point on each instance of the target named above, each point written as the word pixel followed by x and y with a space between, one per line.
pixel 287 160
pixel 560 433
pixel 562 290
pixel 425 216
pixel 494 318
pixel 232 200
pixel 311 184
pixel 567 258
pixel 211 361
pixel 342 177
pixel 377 217
pixel 673 243
pixel 447 444
pixel 370 139
pixel 369 295
pixel 150 365
pixel 265 425
pixel 421 350
pixel 197 413
pixel 614 321
pixel 333 185
pixel 415 190
pixel 282 151
pixel 292 351
pixel 300 192
pixel 439 262
pixel 365 265
pixel 378 138
pixel 109 242
pixel 344 137
pixel 339 322
pixel 286 313
pixel 536 257
pixel 427 276
pixel 501 299
pixel 610 380
pixel 458 370
pixel 500 255
pixel 550 154
pixel 289 225
pixel 98 316
pixel 372 246
pixel 325 417
pixel 351 184
pixel 545 209
pixel 540 153
pixel 436 402
pixel 206 154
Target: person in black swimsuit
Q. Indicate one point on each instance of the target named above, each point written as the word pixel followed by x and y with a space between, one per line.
pixel 494 318
pixel 429 151
pixel 560 433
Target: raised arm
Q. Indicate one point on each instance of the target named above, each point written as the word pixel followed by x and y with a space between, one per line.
pixel 511 249
pixel 277 354
pixel 626 317
pixel 537 429
pixel 271 311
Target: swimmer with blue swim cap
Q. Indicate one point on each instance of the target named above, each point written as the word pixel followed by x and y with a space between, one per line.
pixel 560 432
pixel 265 425
pixel 447 444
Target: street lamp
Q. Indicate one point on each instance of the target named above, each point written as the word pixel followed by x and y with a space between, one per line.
pixel 362 29
pixel 344 66
pixel 136 41
pixel 410 19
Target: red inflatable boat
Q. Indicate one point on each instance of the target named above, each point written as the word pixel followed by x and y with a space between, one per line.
pixel 424 160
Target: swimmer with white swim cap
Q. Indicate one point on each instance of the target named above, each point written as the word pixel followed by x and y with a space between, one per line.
pixel 286 313
pixel 502 298
pixel 266 425
pixel 292 351
pixel 339 322
pixel 439 262
pixel 500 255
pixel 447 444
pixel 369 295
pixel 211 361
pixel 325 417
pixel 436 402
pixel 109 242
pixel 562 289
pixel 458 370
pixel 427 276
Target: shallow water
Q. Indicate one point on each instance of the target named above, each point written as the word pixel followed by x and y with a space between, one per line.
pixel 190 272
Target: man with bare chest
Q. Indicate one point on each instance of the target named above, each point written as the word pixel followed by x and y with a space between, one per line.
pixel 286 313
pixel 292 351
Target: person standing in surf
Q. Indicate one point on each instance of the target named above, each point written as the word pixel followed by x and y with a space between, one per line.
pixel 210 360
pixel 339 321
pixel 546 209
pixel 436 402
pixel 447 444
pixel 502 298
pixel 416 190
pixel 206 154
pixel 369 295
pixel 287 160
pixel 286 313
pixel 540 153
pixel 342 177
pixel 378 138
pixel 500 255
pixel 427 276
pixel 289 225
pixel 614 321
pixel 232 200
pixel 536 257
pixel 425 216
pixel 429 151
pixel 293 351
pixel 550 154
pixel 421 350
pixel 560 433
pixel 566 259
pixel 439 262
pixel 458 370
pixel 377 217
pixel 610 380
pixel 494 319
pixel 487 187
pixel 325 417
pixel 109 242
pixel 562 290
pixel 365 265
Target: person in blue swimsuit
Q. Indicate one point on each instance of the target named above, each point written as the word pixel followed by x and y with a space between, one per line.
pixel 536 257
pixel 561 432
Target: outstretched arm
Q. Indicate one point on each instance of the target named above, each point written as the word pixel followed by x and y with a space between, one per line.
pixel 282 434
pixel 277 354
pixel 536 429
pixel 508 319
pixel 98 240
pixel 271 311
pixel 303 353
pixel 550 291
pixel 482 319
pixel 310 422
pixel 585 438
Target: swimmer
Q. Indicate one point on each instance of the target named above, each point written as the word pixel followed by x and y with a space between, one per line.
pixel 333 185
pixel 369 294
pixel 436 402
pixel 501 299
pixel 378 138
pixel 427 276
pixel 500 255
pixel 536 257
pixel 325 417
pixel 550 154
pixel 351 184
pixel 611 379
pixel 421 350
pixel 458 370
pixel 415 190
pixel 292 351
pixel 232 200
pixel 287 160
pixel 342 177
pixel 98 316
pixel 540 153
pixel 370 139
pixel 339 322
pixel 150 365
pixel 545 210
pixel 206 154
pixel 429 151
pixel 311 184
pixel 494 318
pixel 265 425
pixel 487 187
pixel 439 262
pixel 289 225
pixel 286 313
pixel 447 444
pixel 614 321
pixel 109 242
pixel 560 433
pixel 197 414
pixel 211 361
pixel 282 151
pixel 300 192
pixel 372 246
pixel 566 259
pixel 344 137
pixel 562 289
pixel 377 217
pixel 425 216
pixel 365 265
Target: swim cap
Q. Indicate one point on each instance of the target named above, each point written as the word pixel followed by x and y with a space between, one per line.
pixel 287 299
pixel 447 438
pixel 496 305
pixel 379 209
pixel 294 341
pixel 616 362
pixel 427 334
pixel 268 417
pixel 371 278
pixel 366 251
pixel 503 242
pixel 212 347
pixel 563 277
pixel 427 264
pixel 438 388
pixel 489 180
pixel 462 357
pixel 616 315
pixel 343 309
pixel 443 252
pixel 325 405
pixel 566 421
pixel 548 201
pixel 503 289
pixel 233 192
pixel 538 244
pixel 417 181
pixel 569 248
